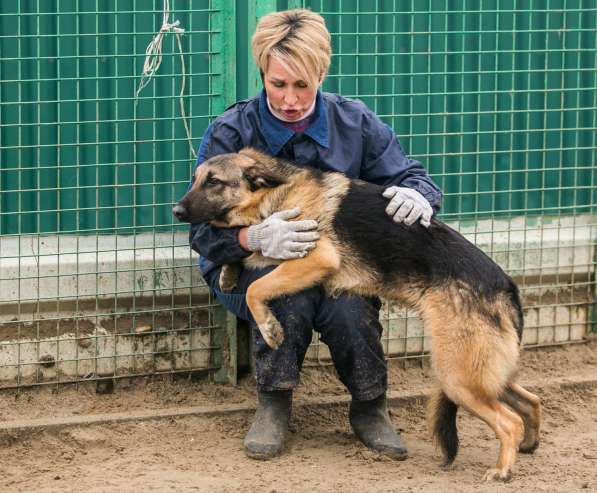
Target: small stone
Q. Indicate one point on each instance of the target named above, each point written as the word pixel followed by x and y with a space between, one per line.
pixel 85 342
pixel 104 387
pixel 589 456
pixel 47 360
pixel 141 329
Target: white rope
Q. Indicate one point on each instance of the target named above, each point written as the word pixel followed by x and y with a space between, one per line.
pixel 153 60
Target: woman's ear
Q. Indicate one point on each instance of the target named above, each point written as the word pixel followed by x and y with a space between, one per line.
pixel 322 78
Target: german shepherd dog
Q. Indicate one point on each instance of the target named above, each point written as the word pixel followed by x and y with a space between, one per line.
pixel 471 307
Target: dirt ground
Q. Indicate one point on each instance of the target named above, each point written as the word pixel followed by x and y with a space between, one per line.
pixel 204 454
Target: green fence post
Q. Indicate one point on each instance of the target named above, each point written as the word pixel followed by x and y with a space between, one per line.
pixel 223 87
pixel 224 338
pixel 224 59
pixel 593 279
pixel 255 11
pixel 295 4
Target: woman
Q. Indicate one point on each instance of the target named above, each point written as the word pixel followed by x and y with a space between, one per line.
pixel 293 119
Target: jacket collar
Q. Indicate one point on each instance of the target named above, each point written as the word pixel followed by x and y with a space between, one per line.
pixel 276 134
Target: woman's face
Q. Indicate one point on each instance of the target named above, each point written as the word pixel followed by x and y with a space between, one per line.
pixel 289 96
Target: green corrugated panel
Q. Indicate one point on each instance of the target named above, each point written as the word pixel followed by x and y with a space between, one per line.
pixel 76 155
pixel 497 98
pixel 498 102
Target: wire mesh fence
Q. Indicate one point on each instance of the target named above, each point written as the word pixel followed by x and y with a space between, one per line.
pixel 95 280
pixel 497 99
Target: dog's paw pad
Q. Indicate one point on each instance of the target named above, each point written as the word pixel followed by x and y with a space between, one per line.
pixel 272 332
pixel 498 475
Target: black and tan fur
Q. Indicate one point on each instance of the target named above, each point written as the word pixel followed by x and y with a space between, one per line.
pixel 470 306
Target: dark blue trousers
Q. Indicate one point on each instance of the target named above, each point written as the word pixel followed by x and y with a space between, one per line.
pixel 348 324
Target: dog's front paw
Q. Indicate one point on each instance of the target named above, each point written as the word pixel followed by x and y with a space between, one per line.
pixel 226 283
pixel 228 277
pixel 272 332
pixel 498 475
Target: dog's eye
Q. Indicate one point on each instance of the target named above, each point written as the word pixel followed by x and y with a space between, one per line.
pixel 212 181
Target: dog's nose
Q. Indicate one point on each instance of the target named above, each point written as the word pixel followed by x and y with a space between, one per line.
pixel 180 212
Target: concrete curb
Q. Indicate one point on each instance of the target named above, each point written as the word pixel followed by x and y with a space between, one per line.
pixel 394 398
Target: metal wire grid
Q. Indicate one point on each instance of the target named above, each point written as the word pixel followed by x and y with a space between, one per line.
pixel 459 86
pixel 95 280
pixel 498 100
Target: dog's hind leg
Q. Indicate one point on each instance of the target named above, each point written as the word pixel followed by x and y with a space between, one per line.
pixel 289 277
pixel 506 424
pixel 528 406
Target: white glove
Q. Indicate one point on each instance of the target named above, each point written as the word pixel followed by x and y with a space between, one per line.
pixel 407 205
pixel 281 239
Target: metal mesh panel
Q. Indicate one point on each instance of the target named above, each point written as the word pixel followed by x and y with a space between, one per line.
pixel 498 100
pixel 95 280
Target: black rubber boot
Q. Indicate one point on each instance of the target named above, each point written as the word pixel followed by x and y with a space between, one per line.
pixel 372 426
pixel 267 436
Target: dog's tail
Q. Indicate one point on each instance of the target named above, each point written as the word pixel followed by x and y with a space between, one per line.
pixel 441 416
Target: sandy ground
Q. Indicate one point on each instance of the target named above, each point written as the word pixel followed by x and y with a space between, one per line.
pixel 205 454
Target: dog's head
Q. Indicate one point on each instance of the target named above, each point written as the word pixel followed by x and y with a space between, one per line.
pixel 228 187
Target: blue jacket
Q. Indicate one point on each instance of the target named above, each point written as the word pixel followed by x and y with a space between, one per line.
pixel 344 136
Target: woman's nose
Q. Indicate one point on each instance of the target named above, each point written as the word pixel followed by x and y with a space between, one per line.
pixel 290 97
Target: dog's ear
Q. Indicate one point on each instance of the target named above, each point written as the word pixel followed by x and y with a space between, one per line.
pixel 258 177
pixel 261 172
pixel 255 155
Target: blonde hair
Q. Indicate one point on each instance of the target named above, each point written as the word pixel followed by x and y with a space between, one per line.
pixel 298 39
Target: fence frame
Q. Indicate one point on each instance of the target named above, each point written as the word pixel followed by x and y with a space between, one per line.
pixel 231 75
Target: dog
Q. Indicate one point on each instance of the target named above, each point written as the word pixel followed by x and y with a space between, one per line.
pixel 470 306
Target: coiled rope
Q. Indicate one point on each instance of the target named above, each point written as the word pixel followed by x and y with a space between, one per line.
pixel 153 60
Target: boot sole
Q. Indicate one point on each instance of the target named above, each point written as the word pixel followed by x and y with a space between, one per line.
pixel 393 455
pixel 263 456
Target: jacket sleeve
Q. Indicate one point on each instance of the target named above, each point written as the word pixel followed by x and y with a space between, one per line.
pixel 218 245
pixel 385 162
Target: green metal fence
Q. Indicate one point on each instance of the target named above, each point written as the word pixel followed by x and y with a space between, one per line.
pixel 497 98
pixel 95 280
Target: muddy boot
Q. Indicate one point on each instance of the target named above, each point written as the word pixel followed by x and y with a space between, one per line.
pixel 372 426
pixel 267 436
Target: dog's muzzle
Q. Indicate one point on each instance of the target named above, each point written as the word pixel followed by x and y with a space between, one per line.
pixel 181 213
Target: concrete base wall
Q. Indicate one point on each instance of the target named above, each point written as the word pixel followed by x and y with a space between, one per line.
pixel 100 353
pixel 81 276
